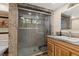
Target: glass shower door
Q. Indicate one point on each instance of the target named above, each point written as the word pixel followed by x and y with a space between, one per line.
pixel 31 33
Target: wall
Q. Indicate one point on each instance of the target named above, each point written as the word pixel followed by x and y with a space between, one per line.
pixel 56 23
pixel 75 28
pixel 3 22
pixel 4 7
pixel 75 24
pixel 4 37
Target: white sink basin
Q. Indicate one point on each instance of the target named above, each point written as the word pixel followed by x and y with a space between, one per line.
pixel 62 37
pixel 2 49
pixel 3 46
pixel 74 40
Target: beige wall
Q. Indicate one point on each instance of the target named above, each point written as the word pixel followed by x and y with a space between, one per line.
pixel 57 18
pixel 4 37
pixel 75 25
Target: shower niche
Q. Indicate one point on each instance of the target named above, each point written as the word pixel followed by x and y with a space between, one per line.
pixel 32 28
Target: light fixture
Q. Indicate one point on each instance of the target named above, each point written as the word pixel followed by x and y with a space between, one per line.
pixel 30 13
pixel 37 17
pixel 74 6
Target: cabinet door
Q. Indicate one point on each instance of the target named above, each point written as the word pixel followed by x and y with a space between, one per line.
pixel 57 51
pixel 74 54
pixel 65 52
pixel 50 49
pixel 61 51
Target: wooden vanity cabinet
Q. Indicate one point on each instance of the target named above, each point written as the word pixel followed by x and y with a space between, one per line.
pixel 61 51
pixel 60 48
pixel 74 53
pixel 57 51
pixel 50 48
pixel 65 52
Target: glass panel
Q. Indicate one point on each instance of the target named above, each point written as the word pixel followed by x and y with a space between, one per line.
pixel 33 28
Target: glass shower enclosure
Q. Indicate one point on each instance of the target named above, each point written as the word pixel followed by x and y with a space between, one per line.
pixel 32 30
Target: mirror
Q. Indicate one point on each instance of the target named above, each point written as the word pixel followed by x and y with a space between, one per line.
pixel 70 18
pixel 70 21
pixel 65 22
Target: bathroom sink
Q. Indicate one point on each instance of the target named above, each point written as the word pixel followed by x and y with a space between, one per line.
pixel 3 49
pixel 70 39
pixel 62 37
pixel 3 46
pixel 74 40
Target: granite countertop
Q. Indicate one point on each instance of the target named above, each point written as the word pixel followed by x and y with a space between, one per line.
pixel 66 39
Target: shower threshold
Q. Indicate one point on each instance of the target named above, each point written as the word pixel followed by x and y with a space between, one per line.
pixel 40 53
pixel 31 51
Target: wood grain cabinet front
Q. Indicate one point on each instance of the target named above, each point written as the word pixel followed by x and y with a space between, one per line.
pixel 74 54
pixel 61 51
pixel 50 48
pixel 65 52
pixel 57 51
pixel 60 48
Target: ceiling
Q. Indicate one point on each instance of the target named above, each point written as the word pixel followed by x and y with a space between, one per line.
pixel 74 11
pixel 51 6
